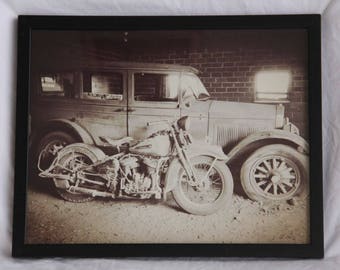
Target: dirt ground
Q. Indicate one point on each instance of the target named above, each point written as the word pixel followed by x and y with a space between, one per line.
pixel 50 219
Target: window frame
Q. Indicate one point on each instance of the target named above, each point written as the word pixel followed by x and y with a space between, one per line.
pixel 150 103
pixel 56 94
pixel 123 101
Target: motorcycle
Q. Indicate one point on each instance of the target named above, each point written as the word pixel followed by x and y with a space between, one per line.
pixel 169 160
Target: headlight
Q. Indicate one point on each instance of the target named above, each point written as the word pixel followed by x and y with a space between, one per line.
pixel 280 112
pixel 184 123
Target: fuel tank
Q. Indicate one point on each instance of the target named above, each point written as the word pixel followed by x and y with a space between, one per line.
pixel 155 145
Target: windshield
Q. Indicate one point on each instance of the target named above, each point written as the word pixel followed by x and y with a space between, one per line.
pixel 192 85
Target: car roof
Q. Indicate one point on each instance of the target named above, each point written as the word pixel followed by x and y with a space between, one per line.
pixel 101 65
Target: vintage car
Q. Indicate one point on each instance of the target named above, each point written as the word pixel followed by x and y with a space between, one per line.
pixel 85 103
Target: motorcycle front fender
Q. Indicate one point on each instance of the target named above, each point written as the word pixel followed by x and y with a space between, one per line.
pixel 194 149
pixel 201 148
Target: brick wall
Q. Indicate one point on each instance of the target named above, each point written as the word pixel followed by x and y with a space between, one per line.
pixel 228 71
pixel 227 60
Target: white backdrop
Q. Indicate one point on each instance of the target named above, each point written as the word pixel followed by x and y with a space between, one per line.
pixel 330 10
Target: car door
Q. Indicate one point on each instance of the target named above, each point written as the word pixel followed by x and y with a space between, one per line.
pixel 154 97
pixel 102 109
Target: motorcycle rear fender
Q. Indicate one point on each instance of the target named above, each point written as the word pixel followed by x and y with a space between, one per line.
pixel 82 147
pixel 194 149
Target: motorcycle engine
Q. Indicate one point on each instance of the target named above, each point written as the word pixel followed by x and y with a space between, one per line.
pixel 139 172
pixel 110 170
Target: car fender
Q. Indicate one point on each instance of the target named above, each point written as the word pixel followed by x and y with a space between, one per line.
pixel 69 126
pixel 301 144
pixel 198 148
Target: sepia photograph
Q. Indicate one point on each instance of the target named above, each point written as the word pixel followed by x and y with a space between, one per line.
pixel 169 136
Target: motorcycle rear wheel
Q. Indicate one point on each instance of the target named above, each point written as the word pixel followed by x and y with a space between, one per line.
pixel 73 157
pixel 214 194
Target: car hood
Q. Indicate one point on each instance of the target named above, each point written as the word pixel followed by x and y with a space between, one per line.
pixel 240 110
pixel 232 110
pixel 226 123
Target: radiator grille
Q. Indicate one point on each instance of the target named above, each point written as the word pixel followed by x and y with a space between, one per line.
pixel 226 135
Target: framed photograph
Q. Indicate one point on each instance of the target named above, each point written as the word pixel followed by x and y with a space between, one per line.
pixel 168 136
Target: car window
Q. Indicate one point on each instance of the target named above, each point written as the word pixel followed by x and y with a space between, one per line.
pixel 192 85
pixel 156 87
pixel 103 85
pixel 59 84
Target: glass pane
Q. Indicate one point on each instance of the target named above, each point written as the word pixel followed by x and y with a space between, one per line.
pixel 156 87
pixel 103 86
pixel 51 84
pixel 61 84
pixel 192 85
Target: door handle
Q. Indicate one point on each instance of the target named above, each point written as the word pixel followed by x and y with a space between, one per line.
pixel 120 110
pixel 125 110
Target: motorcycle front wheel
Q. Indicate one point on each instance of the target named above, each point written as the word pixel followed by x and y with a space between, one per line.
pixel 212 191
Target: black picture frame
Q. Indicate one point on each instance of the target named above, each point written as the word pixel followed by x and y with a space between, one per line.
pixel 309 22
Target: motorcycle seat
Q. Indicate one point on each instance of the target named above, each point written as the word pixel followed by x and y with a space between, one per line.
pixel 116 143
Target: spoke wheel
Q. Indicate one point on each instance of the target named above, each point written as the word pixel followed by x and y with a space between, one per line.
pixel 72 159
pixel 50 145
pixel 275 177
pixel 208 190
pixel 212 191
pixel 275 172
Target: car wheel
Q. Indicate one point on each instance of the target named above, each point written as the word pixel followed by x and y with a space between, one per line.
pixel 50 144
pixel 275 172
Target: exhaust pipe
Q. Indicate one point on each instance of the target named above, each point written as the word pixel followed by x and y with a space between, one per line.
pixel 93 193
